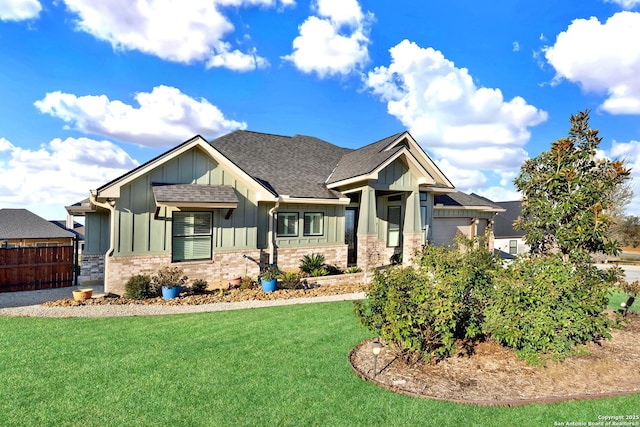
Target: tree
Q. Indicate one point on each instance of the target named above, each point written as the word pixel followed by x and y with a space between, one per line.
pixel 568 194
pixel 628 231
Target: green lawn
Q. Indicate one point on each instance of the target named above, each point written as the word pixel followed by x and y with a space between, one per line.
pixel 272 366
pixel 618 297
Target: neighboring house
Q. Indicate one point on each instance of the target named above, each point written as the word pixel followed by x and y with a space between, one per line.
pixel 22 228
pixel 468 214
pixel 75 227
pixel 227 207
pixel 508 240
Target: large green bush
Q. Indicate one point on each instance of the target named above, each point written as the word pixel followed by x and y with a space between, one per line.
pixel 424 309
pixel 544 306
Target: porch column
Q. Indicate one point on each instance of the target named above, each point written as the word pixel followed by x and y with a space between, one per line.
pixel 368 252
pixel 412 229
pixel 367 219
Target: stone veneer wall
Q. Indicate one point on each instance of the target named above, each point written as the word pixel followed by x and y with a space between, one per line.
pixel 289 257
pixel 91 270
pixel 411 244
pixel 340 279
pixel 372 253
pixel 224 266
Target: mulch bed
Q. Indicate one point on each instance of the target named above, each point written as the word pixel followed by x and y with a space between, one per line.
pixel 490 374
pixel 210 297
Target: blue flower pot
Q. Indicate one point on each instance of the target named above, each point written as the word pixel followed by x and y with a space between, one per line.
pixel 171 293
pixel 268 285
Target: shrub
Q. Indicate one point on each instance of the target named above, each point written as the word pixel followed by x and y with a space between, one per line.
pixel 545 307
pixel 248 283
pixel 199 286
pixel 169 277
pixel 318 272
pixel 312 262
pixel 289 280
pixel 631 289
pixel 421 311
pixel 270 273
pixel 353 270
pixel 138 287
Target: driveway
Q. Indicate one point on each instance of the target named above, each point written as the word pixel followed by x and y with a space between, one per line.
pixel 24 298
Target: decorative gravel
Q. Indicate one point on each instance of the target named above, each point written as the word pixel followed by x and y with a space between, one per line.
pixel 112 305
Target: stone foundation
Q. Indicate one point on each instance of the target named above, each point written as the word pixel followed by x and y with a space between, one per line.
pixel 372 253
pixel 411 243
pixel 91 270
pixel 288 258
pixel 340 279
pixel 218 272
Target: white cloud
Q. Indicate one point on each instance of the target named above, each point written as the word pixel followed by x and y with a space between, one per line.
pixel 472 131
pixel 630 153
pixel 602 58
pixel 334 42
pixel 19 10
pixel 185 32
pixel 625 4
pixel 497 194
pixel 516 46
pixel 58 173
pixel 166 116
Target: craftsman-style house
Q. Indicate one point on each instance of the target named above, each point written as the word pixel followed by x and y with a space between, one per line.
pixel 226 207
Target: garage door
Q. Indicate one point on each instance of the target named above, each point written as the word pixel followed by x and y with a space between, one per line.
pixel 445 229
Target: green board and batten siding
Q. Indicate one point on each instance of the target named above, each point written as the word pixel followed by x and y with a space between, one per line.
pixel 333 227
pixel 96 239
pixel 138 233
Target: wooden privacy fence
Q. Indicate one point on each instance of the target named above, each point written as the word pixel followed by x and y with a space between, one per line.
pixel 27 269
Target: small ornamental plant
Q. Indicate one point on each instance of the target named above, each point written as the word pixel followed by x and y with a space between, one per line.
pixel 289 280
pixel 169 277
pixel 270 273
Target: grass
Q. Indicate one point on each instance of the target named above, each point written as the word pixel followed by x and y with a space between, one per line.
pixel 616 297
pixel 284 366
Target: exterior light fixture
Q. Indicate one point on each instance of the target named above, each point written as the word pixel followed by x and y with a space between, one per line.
pixel 376 347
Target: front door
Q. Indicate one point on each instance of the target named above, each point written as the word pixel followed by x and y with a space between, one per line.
pixel 351 235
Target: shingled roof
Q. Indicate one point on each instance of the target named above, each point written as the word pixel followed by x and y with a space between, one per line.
pixel 503 226
pixel 24 224
pixel 364 160
pixel 464 200
pixel 296 166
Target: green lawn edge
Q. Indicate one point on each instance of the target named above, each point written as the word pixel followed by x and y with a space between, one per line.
pixel 284 366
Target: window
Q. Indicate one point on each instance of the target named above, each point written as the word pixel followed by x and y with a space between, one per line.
pixel 287 224
pixel 191 236
pixel 513 247
pixel 313 224
pixel 393 226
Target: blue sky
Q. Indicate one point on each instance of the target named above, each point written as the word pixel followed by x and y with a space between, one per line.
pixel 89 90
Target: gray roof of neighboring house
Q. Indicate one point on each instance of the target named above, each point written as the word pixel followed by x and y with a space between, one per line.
pixel 364 160
pixel 460 199
pixel 23 224
pixel 297 166
pixel 78 228
pixel 503 225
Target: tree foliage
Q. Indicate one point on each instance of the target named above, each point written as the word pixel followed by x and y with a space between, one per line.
pixel 568 194
pixel 627 231
pixel 423 310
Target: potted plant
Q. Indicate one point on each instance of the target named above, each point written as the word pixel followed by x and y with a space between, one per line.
pixel 269 278
pixel 234 282
pixel 170 281
pixel 82 294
